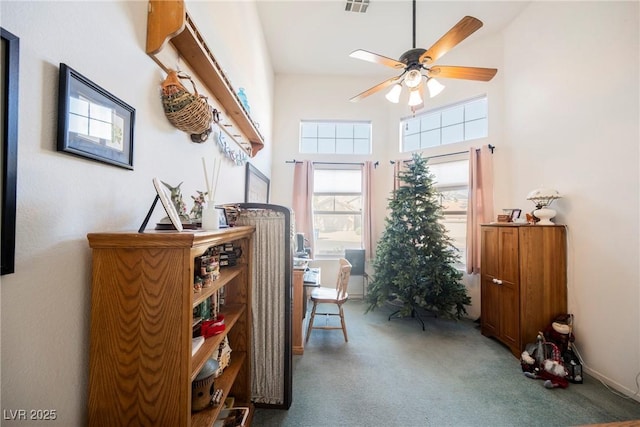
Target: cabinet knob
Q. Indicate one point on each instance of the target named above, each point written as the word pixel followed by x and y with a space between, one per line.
pixel 497 281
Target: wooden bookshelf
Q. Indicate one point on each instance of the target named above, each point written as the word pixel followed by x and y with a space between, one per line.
pixel 142 301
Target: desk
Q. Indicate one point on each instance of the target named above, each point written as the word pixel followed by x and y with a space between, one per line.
pixel 299 308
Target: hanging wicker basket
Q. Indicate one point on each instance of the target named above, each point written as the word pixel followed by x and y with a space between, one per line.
pixel 189 112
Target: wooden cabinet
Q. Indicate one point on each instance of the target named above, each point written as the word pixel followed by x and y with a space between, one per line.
pixel 524 281
pixel 142 301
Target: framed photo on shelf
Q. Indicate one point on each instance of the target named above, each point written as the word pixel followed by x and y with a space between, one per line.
pixel 222 217
pixel 256 186
pixel 515 214
pixel 93 123
pixel 169 208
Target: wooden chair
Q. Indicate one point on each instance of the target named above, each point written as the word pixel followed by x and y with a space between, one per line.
pixel 336 296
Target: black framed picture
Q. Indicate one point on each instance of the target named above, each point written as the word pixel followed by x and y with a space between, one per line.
pixel 222 217
pixel 93 123
pixel 10 66
pixel 256 188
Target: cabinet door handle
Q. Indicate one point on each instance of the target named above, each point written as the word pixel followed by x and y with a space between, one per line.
pixel 497 281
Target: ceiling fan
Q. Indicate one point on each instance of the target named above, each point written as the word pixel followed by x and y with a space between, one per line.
pixel 414 61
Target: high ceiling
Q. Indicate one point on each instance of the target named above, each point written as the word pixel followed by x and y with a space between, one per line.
pixel 316 37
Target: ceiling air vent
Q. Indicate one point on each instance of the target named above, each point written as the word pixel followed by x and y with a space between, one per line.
pixel 357 6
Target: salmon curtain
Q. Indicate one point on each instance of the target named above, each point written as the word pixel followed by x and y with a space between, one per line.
pixel 368 191
pixel 480 209
pixel 303 199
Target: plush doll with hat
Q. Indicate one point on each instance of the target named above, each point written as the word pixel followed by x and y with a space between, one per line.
pixel 542 361
pixel 560 332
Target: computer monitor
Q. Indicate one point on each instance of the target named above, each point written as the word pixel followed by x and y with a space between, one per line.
pixel 356 258
pixel 299 242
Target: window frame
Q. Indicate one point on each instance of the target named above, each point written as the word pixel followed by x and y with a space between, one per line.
pixel 360 213
pixel 444 159
pixel 336 138
pixel 440 129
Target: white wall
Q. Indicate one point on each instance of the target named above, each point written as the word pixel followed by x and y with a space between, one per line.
pixel 571 123
pixel 46 303
pixel 320 98
pixel 327 98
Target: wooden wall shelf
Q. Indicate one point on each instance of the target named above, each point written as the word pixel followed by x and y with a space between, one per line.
pixel 168 21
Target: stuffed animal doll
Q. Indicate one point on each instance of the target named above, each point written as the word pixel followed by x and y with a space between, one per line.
pixel 542 361
pixel 560 332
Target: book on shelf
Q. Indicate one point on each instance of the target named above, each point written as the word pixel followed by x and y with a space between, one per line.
pixel 196 343
pixel 232 417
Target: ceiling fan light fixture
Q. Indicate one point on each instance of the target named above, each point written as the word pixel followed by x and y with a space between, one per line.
pixel 434 86
pixel 394 93
pixel 413 61
pixel 414 98
pixel 413 79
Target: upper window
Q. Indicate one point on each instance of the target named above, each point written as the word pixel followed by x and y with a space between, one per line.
pixel 337 209
pixel 335 137
pixel 454 123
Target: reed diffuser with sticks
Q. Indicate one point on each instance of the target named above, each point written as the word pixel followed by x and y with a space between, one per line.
pixel 210 219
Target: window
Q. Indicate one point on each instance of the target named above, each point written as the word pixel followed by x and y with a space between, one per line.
pixel 335 137
pixel 337 209
pixel 452 181
pixel 455 123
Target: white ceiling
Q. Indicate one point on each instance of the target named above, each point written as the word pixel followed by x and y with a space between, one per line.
pixel 316 37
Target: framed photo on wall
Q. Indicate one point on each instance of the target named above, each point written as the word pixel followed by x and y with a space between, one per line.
pixel 93 123
pixel 9 64
pixel 256 186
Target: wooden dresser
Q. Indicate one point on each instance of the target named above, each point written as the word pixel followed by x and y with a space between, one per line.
pixel 142 301
pixel 524 281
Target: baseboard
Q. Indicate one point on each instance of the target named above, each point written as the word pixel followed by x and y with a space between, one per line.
pixel 631 394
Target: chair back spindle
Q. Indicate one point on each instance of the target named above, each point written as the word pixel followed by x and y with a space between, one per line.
pixel 343 278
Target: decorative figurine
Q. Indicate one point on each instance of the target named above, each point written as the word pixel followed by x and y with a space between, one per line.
pixel 197 286
pixel 198 203
pixel 176 198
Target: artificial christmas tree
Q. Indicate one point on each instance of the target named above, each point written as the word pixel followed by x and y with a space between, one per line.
pixel 414 262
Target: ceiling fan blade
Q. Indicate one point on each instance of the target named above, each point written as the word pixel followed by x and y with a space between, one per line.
pixel 377 59
pixel 375 89
pixel 467 73
pixel 463 29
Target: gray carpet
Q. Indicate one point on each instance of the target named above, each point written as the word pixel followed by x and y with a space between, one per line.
pixel 391 373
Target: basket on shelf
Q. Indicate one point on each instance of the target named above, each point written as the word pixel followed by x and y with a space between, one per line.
pixel 189 112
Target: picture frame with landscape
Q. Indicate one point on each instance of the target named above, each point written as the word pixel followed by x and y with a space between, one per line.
pixel 93 123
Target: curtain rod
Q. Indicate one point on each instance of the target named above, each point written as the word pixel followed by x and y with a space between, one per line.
pixel 491 147
pixel 375 165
